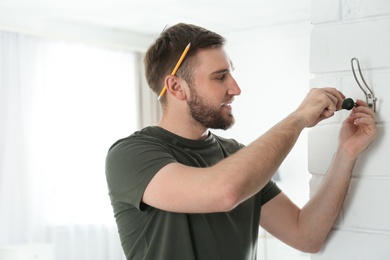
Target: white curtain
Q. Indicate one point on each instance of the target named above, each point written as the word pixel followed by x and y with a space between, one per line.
pixel 61 106
pixel 149 109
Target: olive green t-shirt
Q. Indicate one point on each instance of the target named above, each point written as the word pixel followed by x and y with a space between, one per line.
pixel 152 234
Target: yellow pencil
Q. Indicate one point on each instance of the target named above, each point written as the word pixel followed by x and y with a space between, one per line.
pixel 183 55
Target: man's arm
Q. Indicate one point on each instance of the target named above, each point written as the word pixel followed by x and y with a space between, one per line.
pixel 306 229
pixel 179 188
pixel 220 188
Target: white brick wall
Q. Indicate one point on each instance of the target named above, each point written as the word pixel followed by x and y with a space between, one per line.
pixel 343 29
pixel 351 245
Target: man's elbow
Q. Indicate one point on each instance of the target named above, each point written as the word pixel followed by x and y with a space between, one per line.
pixel 311 247
pixel 312 250
pixel 229 200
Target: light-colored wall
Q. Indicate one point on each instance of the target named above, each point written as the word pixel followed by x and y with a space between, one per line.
pixel 344 29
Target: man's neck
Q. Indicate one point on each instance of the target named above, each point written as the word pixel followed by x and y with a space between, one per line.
pixel 189 130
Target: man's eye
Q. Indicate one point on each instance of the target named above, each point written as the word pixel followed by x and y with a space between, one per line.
pixel 221 77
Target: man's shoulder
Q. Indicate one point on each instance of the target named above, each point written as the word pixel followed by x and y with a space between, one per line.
pixel 145 135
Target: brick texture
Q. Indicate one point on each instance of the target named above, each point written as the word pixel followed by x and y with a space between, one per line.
pixel 343 29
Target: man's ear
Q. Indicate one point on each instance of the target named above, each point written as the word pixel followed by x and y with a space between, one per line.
pixel 175 87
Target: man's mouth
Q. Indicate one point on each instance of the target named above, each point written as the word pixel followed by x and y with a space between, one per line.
pixel 227 105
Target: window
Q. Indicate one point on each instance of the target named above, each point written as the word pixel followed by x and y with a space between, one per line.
pixel 62 105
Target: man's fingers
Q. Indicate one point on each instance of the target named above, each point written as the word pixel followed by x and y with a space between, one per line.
pixel 336 97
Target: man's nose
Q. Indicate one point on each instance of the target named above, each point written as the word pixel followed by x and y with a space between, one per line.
pixel 234 89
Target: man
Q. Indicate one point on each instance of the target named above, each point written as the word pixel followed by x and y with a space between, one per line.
pixel 181 192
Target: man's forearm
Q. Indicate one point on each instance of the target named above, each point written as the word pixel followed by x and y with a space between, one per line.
pixel 320 213
pixel 251 168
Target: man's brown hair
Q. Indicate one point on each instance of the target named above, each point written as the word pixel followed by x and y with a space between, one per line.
pixel 162 56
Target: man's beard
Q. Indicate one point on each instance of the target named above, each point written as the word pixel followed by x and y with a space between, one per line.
pixel 208 116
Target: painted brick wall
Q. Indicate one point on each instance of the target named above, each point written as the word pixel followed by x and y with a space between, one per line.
pixel 343 29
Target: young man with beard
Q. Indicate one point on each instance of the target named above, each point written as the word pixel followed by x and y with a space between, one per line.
pixel 181 192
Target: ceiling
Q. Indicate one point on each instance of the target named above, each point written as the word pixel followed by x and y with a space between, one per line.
pixel 140 21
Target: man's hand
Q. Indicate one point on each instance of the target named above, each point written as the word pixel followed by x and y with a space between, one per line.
pixel 319 104
pixel 358 130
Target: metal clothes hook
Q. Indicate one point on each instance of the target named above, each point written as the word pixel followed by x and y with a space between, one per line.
pixel 370 98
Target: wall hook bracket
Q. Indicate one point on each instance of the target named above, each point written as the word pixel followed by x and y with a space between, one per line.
pixel 370 98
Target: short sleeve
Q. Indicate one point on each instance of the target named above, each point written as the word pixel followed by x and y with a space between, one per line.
pixel 131 163
pixel 269 192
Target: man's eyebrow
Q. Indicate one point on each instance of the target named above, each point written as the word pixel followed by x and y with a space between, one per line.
pixel 222 71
